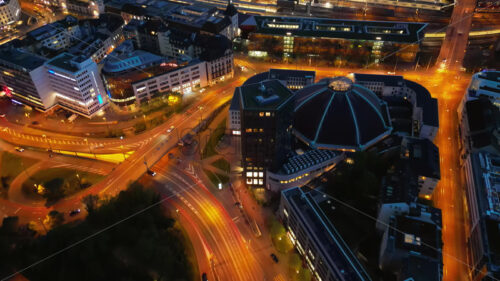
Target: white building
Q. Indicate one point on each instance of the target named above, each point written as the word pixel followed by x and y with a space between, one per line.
pixel 76 84
pixel 10 11
pixel 183 79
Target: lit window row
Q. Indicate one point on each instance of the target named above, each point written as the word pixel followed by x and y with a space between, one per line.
pixel 255 174
pixel 295 179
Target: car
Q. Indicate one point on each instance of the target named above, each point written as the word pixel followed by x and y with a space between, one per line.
pixel 170 129
pixel 19 149
pixel 151 173
pixel 204 277
pixel 74 212
pixel 202 90
pixel 275 258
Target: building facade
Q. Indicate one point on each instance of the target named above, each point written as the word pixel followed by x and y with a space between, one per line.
pixel 23 78
pixel 266 114
pixel 10 11
pixel 76 84
pixel 343 41
pixel 325 252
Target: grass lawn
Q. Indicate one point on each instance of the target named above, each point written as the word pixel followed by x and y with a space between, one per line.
pixel 214 140
pixel 59 182
pixel 222 164
pixel 12 165
pixel 216 178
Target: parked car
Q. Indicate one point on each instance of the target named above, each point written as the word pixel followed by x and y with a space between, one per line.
pixel 204 277
pixel 74 212
pixel 170 129
pixel 19 149
pixel 151 173
pixel 275 258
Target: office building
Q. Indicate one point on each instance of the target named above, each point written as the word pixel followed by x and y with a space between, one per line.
pixel 337 114
pixel 76 84
pixel 479 126
pixel 423 158
pixel 266 110
pixel 482 190
pixel 423 116
pixel 347 41
pixel 314 236
pixel 135 76
pixel 10 12
pixel 23 78
pixel 485 84
pixel 413 237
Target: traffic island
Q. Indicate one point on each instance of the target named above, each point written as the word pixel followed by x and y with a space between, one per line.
pixel 54 184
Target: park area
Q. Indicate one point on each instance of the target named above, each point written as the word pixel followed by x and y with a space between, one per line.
pixel 57 183
pixel 11 165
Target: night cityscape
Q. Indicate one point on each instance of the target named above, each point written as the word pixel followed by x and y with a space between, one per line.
pixel 259 140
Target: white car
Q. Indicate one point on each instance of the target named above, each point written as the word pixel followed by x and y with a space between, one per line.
pixel 20 149
pixel 170 129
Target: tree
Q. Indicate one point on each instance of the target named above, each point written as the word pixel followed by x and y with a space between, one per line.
pixel 54 219
pixel 91 202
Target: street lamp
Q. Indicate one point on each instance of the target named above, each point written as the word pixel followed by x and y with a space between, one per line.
pixel 90 149
pixel 48 141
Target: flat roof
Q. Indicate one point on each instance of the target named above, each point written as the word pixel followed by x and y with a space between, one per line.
pixel 265 95
pixel 340 259
pixel 63 61
pixel 401 32
pixel 21 58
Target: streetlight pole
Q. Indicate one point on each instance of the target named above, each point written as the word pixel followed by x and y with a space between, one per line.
pixel 90 149
pixel 48 141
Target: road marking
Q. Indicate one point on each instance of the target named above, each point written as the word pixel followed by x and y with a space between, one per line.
pixel 17 210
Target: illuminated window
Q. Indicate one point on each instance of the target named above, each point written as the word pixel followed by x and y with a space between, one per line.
pixel 261 174
pixel 268 114
pixel 249 174
pixel 261 114
pixel 248 130
pixel 255 181
pixel 261 181
pixel 255 174
pixel 249 181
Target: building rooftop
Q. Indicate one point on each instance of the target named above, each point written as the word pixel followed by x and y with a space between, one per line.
pixel 339 258
pixel 67 62
pixel 418 268
pixel 281 74
pixel 483 119
pixel 265 95
pixel 336 113
pixel 389 80
pixel 428 104
pixel 124 58
pixel 423 156
pixel 400 32
pixel 417 235
pixel 49 29
pixel 310 158
pixel 399 186
pixel 21 58
pixel 486 169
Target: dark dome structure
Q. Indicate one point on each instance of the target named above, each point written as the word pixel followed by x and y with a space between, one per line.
pixel 337 114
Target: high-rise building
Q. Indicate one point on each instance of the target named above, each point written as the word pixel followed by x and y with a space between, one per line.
pixel 76 84
pixel 266 115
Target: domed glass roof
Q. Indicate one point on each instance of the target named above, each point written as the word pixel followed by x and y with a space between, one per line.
pixel 337 114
